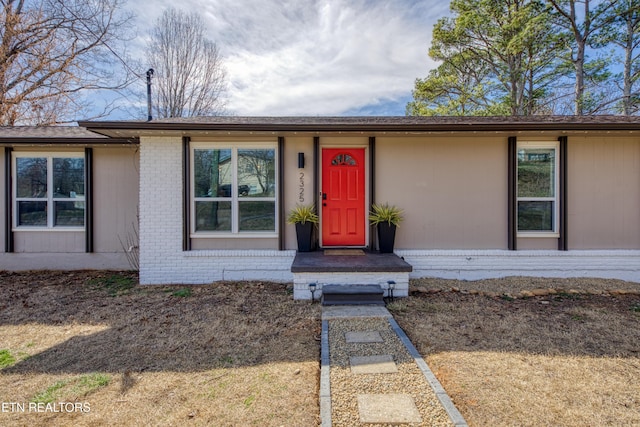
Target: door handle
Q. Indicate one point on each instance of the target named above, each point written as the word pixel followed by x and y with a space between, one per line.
pixel 324 196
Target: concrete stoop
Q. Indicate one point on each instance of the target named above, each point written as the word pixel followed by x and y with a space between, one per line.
pixel 324 269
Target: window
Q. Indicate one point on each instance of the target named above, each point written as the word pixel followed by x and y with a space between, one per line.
pixel 234 190
pixel 537 188
pixel 343 160
pixel 49 190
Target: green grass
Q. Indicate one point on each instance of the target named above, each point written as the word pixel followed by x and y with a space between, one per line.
pixel 6 359
pixel 51 394
pixel 249 401
pixel 182 293
pixel 566 295
pixel 397 306
pixel 88 383
pixel 115 285
pixel 72 388
pixel 225 361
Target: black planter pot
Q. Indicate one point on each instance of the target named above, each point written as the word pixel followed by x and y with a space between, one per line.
pixel 304 233
pixel 386 237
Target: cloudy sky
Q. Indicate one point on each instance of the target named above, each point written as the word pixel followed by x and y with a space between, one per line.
pixel 315 57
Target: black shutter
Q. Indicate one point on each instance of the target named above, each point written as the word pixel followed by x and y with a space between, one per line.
pixel 8 201
pixel 88 200
pixel 280 201
pixel 562 195
pixel 512 216
pixel 186 191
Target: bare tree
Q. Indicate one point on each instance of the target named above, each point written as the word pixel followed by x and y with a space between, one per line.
pixel 52 52
pixel 189 74
pixel 583 20
pixel 624 33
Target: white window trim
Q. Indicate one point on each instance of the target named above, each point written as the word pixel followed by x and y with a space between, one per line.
pixel 49 155
pixel 235 233
pixel 555 233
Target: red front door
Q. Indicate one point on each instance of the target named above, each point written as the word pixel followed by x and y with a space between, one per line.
pixel 343 201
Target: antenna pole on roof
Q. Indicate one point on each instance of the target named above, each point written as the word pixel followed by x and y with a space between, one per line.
pixel 149 75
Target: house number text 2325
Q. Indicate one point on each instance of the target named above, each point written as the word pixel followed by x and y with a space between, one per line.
pixel 301 188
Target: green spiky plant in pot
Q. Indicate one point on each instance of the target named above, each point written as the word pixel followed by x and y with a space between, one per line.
pixel 386 218
pixel 305 219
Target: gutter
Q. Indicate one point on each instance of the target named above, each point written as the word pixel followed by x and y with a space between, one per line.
pixel 368 127
pixel 68 141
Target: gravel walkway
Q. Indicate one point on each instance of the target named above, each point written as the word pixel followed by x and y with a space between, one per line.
pixel 346 386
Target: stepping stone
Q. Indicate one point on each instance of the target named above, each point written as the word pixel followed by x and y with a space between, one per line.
pixel 388 409
pixel 382 364
pixel 363 337
pixel 331 312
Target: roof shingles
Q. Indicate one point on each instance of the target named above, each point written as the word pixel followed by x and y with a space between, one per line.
pixel 376 123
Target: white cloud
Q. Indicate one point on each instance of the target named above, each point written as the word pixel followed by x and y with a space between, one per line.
pixel 316 57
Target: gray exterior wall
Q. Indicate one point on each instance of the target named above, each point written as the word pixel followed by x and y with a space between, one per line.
pixel 115 187
pixel 453 190
pixel 604 192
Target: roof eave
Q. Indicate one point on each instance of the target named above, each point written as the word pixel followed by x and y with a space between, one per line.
pixel 68 141
pixel 100 127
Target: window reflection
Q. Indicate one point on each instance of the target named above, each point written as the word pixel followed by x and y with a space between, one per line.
pixel 256 173
pixel 212 173
pixel 234 189
pixel 536 170
pixel 49 190
pixel 68 177
pixel 32 213
pixel 535 216
pixel 31 176
pixel 257 216
pixel 536 189
pixel 213 216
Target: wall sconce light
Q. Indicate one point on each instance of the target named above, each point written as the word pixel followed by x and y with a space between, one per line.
pixel 391 285
pixel 312 288
pixel 300 160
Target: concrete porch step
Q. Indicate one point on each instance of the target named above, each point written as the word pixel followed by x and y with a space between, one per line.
pixel 352 295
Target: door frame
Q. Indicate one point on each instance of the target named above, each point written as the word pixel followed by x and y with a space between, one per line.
pixel 366 191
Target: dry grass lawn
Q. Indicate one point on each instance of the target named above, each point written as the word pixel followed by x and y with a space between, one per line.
pixel 226 354
pixel 564 359
pixel 246 354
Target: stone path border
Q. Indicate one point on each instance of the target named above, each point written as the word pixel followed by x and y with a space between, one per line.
pixel 455 415
pixel 325 377
pixel 325 362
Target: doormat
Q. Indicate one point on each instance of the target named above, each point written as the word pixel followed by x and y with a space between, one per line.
pixel 349 252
